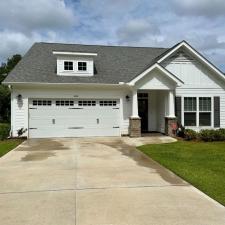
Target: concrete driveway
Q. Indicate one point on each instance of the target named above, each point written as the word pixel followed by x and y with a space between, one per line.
pixel 97 181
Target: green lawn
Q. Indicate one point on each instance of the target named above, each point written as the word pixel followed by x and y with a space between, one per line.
pixel 7 145
pixel 201 164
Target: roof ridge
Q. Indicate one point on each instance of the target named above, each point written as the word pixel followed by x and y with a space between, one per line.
pixel 100 45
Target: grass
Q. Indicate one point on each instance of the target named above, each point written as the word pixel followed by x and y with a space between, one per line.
pixel 200 163
pixel 8 145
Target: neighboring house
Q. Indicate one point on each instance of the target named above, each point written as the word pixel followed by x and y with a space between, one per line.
pixel 70 90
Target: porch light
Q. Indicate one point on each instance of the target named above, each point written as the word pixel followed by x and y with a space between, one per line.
pixel 127 98
pixel 19 97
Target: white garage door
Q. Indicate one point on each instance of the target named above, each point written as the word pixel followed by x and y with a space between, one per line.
pixel 73 118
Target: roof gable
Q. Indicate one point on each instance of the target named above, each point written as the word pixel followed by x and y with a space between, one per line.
pixel 201 58
pixel 162 71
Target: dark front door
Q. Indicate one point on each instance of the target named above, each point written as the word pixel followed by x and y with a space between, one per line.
pixel 143 113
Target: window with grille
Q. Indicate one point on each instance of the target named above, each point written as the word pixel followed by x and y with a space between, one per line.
pixel 68 65
pixel 42 102
pixel 87 103
pixel 82 66
pixel 64 103
pixel 107 103
pixel 190 111
pixel 205 111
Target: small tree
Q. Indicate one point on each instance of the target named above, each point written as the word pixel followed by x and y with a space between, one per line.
pixel 5 69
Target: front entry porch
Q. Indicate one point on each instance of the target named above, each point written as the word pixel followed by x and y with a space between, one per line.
pixel 152 111
pixel 153 101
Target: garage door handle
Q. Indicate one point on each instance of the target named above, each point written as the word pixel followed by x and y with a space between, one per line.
pixel 116 127
pixel 97 121
pixel 75 127
pixel 32 108
pixel 32 128
pixel 76 108
pixel 115 108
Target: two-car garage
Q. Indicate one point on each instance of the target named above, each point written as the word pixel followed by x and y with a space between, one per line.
pixel 73 117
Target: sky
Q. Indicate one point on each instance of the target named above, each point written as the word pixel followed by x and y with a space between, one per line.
pixel 149 23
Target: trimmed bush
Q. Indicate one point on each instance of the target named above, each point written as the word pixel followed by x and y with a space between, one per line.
pixel 219 135
pixel 4 131
pixel 207 135
pixel 190 134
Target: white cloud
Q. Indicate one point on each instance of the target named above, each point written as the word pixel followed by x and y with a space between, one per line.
pixel 136 30
pixel 207 8
pixel 27 16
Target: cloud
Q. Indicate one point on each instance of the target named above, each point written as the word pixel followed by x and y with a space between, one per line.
pixel 206 8
pixel 33 15
pixel 135 30
pixel 114 22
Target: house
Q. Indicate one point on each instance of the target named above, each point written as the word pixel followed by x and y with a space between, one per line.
pixel 70 90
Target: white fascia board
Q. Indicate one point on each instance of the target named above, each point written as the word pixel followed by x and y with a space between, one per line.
pixel 74 53
pixel 195 53
pixel 156 66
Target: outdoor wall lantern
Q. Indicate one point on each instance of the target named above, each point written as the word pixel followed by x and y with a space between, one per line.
pixel 127 98
pixel 19 97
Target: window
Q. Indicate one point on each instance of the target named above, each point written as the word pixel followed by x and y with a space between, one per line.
pixel 107 103
pixel 82 66
pixel 42 102
pixel 190 111
pixel 64 103
pixel 205 111
pixel 201 110
pixel 68 65
pixel 87 103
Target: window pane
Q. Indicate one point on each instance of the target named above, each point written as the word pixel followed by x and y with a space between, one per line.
pixel 82 66
pixel 189 119
pixel 204 119
pixel 68 65
pixel 204 104
pixel 190 104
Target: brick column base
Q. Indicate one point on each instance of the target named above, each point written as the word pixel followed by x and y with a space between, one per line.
pixel 170 126
pixel 135 127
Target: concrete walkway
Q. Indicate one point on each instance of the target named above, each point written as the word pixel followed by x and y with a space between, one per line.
pixel 97 181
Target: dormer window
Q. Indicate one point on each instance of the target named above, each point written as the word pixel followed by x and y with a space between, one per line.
pixel 75 63
pixel 82 66
pixel 68 65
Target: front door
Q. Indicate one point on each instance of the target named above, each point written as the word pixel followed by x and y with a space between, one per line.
pixel 143 113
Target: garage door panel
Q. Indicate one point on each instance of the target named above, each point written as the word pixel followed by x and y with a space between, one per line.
pixel 74 121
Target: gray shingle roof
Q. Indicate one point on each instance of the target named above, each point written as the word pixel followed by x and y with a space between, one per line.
pixel 113 64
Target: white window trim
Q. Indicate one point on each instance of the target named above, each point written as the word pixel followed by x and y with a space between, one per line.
pixel 197 111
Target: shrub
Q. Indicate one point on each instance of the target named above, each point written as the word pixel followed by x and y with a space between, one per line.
pixel 4 131
pixel 208 135
pixel 219 135
pixel 190 134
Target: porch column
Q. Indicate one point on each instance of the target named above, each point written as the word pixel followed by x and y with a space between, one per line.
pixel 170 120
pixel 171 104
pixel 135 120
pixel 134 104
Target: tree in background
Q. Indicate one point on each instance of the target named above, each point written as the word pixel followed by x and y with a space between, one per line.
pixel 5 69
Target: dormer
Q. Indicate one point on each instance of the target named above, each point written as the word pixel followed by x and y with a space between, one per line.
pixel 75 63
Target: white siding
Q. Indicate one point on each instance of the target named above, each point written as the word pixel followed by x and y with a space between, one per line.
pixel 191 72
pixel 198 80
pixel 206 93
pixel 155 80
pixel 20 113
